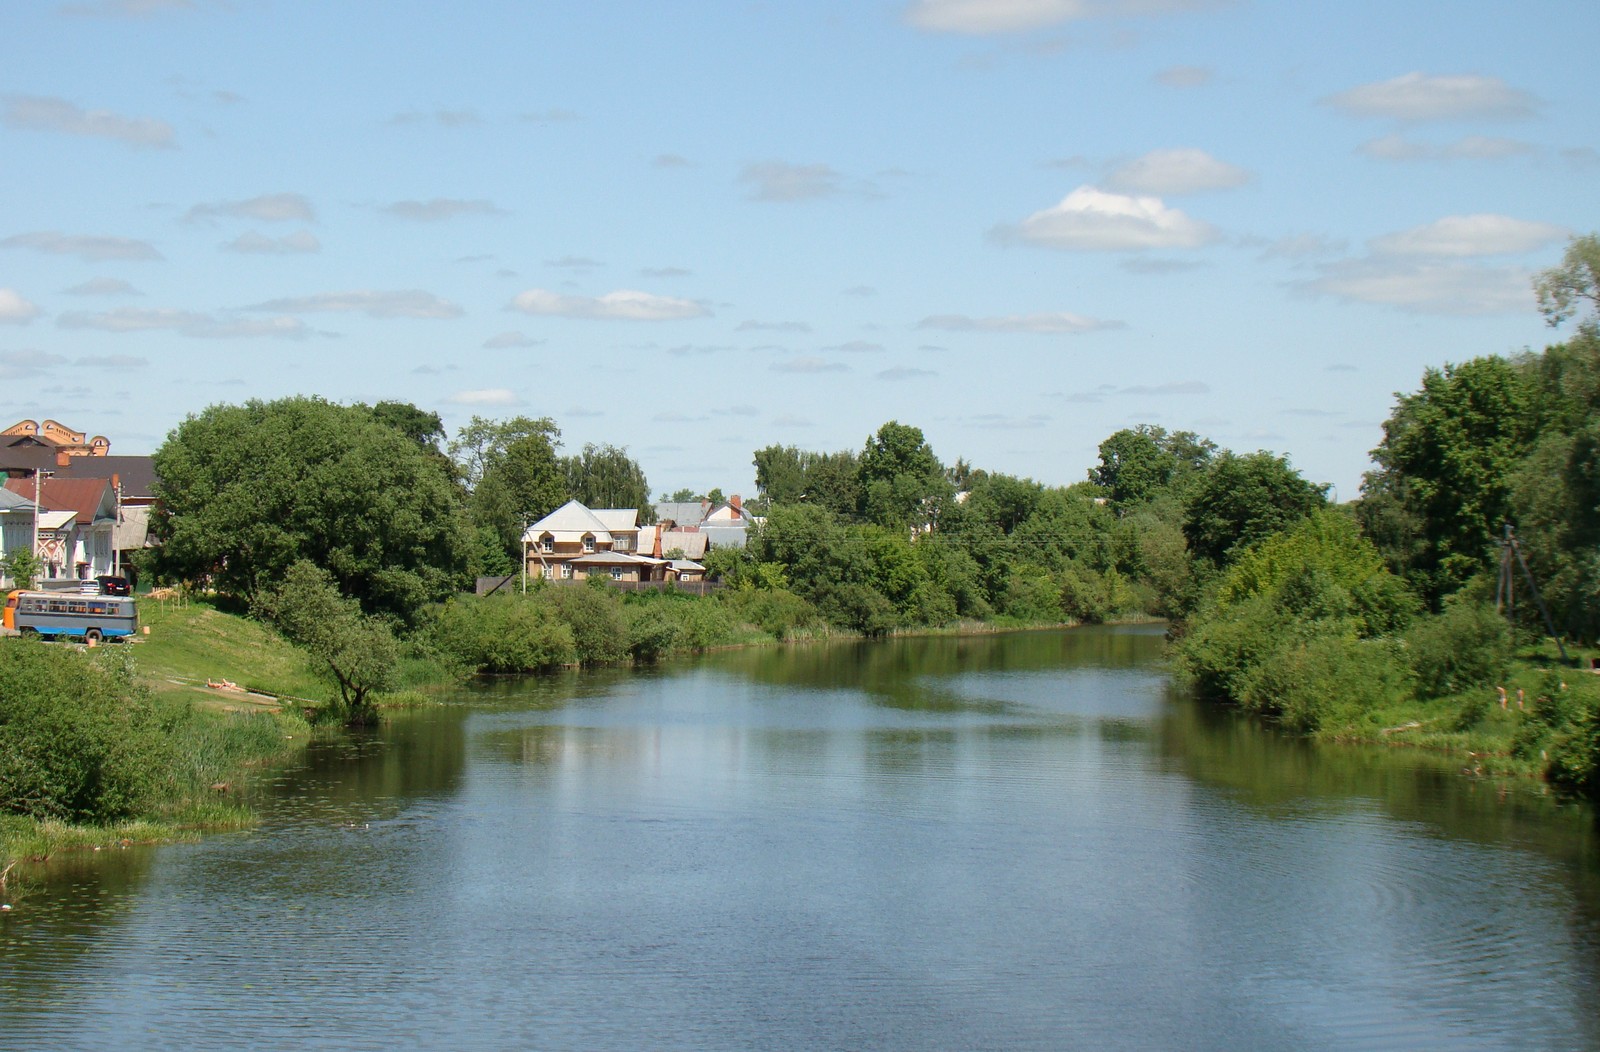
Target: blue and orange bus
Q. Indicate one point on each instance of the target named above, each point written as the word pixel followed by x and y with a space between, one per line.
pixel 90 618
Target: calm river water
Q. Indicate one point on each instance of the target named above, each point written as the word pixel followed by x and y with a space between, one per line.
pixel 1017 841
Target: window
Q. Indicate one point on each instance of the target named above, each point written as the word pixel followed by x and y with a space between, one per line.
pixel 548 573
pixel 547 543
pixel 616 573
pixel 566 572
pixel 620 543
pixel 588 542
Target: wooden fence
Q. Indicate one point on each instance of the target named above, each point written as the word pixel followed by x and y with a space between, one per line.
pixel 491 585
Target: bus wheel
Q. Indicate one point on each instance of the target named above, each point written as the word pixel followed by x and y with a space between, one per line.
pixel 91 636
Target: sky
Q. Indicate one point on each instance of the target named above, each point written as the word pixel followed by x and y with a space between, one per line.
pixel 698 229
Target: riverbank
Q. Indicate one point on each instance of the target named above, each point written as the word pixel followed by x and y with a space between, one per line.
pixel 109 746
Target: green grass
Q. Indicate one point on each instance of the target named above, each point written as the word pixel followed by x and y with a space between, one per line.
pixel 193 641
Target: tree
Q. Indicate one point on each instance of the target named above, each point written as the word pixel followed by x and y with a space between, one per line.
pixel 483 441
pixel 1242 499
pixel 521 484
pixel 1563 289
pixel 356 652
pixel 423 428
pixel 247 491
pixel 1138 464
pixel 1441 493
pixel 902 482
pixel 606 477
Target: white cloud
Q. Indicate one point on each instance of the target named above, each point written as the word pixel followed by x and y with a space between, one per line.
pixel 1468 148
pixel 126 8
pixel 266 208
pixel 119 362
pixel 1002 422
pixel 488 396
pixel 407 303
pixel 984 17
pixel 1185 77
pixel 193 324
pixel 1427 288
pixel 1176 387
pixel 1302 246
pixel 35 113
pixel 502 340
pixel 782 181
pixel 252 243
pixel 1176 171
pixel 905 372
pixel 624 305
pixel 856 347
pixel 772 326
pixel 442 208
pixel 1089 219
pixel 89 248
pixel 1422 97
pixel 104 287
pixel 20 365
pixel 14 309
pixel 809 365
pixel 1045 324
pixel 443 118
pixel 1470 235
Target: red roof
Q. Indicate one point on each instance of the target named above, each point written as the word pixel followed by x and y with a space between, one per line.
pixel 83 496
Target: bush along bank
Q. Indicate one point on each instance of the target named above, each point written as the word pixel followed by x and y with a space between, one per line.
pixel 89 756
pixel 1309 628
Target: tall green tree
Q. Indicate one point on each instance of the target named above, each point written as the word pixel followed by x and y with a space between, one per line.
pixel 521 484
pixel 483 441
pixel 606 477
pixel 1141 463
pixel 248 490
pixel 902 482
pixel 1441 494
pixel 1242 499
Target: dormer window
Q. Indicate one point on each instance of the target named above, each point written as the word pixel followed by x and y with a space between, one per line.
pixel 547 544
pixel 588 542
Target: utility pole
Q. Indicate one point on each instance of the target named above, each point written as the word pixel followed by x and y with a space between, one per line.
pixel 38 490
pixel 1505 589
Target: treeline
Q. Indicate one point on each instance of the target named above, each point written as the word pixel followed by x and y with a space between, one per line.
pixel 1392 618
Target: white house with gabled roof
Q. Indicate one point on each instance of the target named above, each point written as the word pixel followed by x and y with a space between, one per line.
pixel 572 531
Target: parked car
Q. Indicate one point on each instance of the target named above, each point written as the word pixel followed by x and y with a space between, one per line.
pixel 110 585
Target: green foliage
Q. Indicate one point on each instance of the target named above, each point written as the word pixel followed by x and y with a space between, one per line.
pixel 606 477
pixel 1142 463
pixel 902 483
pixel 79 740
pixel 504 633
pixel 520 485
pixel 1242 499
pixel 357 652
pixel 1328 682
pixel 482 443
pixel 247 491
pixel 594 615
pixel 1562 289
pixel 776 611
pixel 1445 472
pixel 1468 645
pixel 22 566
pixel 786 475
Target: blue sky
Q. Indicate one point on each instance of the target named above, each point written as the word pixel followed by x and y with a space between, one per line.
pixel 701 228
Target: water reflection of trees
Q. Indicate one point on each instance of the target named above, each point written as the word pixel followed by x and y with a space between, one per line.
pixel 1281 773
pixel 63 911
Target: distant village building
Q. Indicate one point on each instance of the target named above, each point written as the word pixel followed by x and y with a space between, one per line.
pixel 93 508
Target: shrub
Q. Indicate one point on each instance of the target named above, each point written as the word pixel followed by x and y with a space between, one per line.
pixel 1467 645
pixel 79 740
pixel 594 614
pixel 1325 683
pixel 510 633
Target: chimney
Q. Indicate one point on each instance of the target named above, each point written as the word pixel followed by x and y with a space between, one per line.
pixel 63 459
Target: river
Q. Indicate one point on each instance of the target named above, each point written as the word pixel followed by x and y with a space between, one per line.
pixel 1025 841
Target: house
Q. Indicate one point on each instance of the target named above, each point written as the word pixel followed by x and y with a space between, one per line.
pixel 552 545
pixel 134 479
pixel 723 525
pixel 77 520
pixel 16 528
pixel 55 437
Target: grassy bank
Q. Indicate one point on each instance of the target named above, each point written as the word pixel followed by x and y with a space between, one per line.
pixel 95 750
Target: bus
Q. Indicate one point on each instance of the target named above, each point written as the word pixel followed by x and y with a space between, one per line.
pixel 90 618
